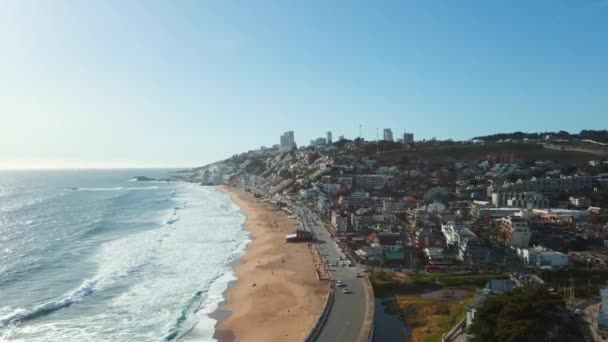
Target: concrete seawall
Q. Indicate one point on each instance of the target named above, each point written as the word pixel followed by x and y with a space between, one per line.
pixel 318 325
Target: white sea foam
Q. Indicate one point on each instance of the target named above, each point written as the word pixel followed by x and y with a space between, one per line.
pixel 143 188
pixel 116 188
pixel 157 284
pixel 119 188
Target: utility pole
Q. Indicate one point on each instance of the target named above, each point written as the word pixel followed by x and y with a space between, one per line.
pixel 571 287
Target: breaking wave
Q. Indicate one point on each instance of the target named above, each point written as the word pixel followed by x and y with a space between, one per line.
pixel 126 265
pixel 20 314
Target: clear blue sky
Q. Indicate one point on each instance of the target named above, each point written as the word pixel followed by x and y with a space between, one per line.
pixel 182 83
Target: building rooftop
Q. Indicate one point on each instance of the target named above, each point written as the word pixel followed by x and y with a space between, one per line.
pixel 500 285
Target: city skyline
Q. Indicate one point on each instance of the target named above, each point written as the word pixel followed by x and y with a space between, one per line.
pixel 118 84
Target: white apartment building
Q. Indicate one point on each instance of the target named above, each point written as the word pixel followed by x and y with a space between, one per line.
pixel 339 221
pixel 287 141
pixel 515 231
pixel 373 181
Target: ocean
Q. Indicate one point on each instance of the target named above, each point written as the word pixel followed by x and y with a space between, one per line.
pixel 97 256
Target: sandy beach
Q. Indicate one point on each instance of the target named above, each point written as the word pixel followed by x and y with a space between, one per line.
pixel 277 296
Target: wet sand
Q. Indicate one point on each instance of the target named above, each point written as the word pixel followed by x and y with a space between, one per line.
pixel 277 296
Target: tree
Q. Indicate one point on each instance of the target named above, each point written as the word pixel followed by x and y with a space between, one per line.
pixel 523 314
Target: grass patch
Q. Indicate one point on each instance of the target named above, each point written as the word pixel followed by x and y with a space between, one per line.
pixel 527 151
pixel 388 284
pixel 430 318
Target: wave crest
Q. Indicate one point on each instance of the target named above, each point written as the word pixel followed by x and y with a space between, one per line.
pixel 21 314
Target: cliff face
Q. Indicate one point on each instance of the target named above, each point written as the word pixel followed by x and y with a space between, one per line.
pixel 269 171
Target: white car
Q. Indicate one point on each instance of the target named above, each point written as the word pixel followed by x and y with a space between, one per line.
pixel 340 284
pixel 346 291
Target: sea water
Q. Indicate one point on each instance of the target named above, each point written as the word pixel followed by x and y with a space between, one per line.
pixel 98 256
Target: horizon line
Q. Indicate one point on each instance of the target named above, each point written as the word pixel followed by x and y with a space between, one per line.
pixel 94 168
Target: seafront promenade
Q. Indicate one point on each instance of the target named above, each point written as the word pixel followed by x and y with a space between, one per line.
pixel 350 317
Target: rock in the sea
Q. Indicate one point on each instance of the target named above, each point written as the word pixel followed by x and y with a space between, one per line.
pixel 144 179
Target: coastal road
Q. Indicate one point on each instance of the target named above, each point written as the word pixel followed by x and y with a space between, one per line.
pixel 348 311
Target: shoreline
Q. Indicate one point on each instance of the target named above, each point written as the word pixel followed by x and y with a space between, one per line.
pixel 276 294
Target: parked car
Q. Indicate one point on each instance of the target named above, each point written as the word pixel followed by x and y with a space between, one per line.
pixel 359 275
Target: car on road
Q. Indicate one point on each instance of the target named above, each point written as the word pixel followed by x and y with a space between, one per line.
pixel 367 269
pixel 346 291
pixel 340 284
pixel 359 275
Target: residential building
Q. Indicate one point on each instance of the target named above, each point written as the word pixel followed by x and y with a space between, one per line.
pixel 329 140
pixel 388 170
pixel 287 141
pixel 434 253
pixel 429 238
pixel 515 231
pixel 308 193
pixel 388 134
pixel 323 203
pixel 543 257
pixel 339 219
pixel 361 220
pixel 371 181
pixel 330 188
pixel 408 138
pixel 493 213
pixel 392 246
pixel 370 253
pixel 394 205
pixel 318 142
pixel 346 181
pixel 354 201
pixel 526 200
pixel 561 215
pixel 456 233
pixel 474 251
pixel 548 186
pixel 580 202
